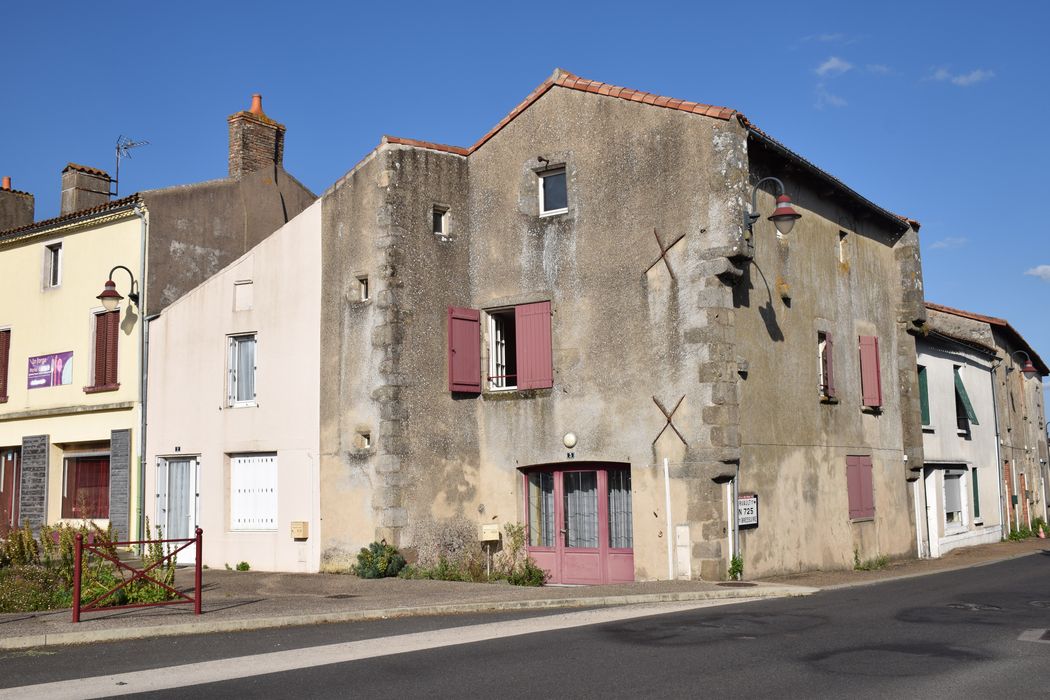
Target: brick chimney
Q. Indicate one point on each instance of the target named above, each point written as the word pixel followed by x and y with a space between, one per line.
pixel 256 141
pixel 83 188
pixel 16 208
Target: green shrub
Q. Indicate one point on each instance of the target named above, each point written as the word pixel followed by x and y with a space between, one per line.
pixel 27 588
pixel 736 568
pixel 243 566
pixel 1018 535
pixel 528 574
pixel 378 560
pixel 19 548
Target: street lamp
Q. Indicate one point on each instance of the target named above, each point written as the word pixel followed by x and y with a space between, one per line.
pixel 1028 369
pixel 783 217
pixel 111 298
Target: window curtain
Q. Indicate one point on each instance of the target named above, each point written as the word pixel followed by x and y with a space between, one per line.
pixel 581 509
pixel 87 484
pixel 245 369
pixel 621 533
pixel 541 509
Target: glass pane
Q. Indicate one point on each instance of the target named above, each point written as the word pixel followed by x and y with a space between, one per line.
pixel 87 488
pixel 581 509
pixel 438 221
pixel 245 369
pixel 621 532
pixel 555 195
pixel 179 500
pixel 541 509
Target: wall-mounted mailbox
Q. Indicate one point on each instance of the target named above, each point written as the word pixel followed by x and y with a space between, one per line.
pixel 490 532
pixel 300 529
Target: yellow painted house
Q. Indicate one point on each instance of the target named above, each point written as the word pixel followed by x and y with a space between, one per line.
pixel 72 377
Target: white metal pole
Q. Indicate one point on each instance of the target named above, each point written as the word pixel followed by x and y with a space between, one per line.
pixel 667 510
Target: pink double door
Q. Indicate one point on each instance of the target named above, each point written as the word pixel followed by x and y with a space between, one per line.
pixel 579 521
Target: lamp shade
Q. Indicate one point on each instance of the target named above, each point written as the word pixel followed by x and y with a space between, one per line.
pixel 785 215
pixel 110 297
pixel 1029 369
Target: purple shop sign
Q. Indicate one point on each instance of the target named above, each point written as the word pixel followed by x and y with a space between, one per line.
pixel 50 370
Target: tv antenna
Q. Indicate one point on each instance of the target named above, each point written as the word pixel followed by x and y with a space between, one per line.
pixel 123 149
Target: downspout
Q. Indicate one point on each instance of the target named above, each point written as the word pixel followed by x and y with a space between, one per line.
pixel 143 214
pixel 1003 511
pixel 667 511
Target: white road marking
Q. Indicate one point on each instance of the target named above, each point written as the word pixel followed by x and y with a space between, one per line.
pixel 165 678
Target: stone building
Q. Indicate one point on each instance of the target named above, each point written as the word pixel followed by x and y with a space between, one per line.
pixel 565 325
pixel 1018 410
pixel 72 376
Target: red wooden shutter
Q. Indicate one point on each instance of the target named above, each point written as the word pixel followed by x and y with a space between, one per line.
pixel 112 336
pixel 99 376
pixel 829 366
pixel 532 324
pixel 853 487
pixel 5 356
pixel 867 495
pixel 870 374
pixel 464 350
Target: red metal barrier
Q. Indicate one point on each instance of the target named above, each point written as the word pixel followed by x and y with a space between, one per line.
pixel 79 546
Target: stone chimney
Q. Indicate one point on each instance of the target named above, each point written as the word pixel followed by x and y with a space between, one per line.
pixel 256 141
pixel 16 208
pixel 83 188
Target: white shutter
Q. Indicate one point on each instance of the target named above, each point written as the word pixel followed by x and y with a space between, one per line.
pixel 253 492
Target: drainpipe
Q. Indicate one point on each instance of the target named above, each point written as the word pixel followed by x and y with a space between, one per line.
pixel 143 215
pixel 1003 512
pixel 667 510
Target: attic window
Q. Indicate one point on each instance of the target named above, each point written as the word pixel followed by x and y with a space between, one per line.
pixel 554 195
pixel 53 265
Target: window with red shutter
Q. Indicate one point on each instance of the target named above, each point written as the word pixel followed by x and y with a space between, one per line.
pixel 5 357
pixel 859 487
pixel 107 336
pixel 535 368
pixel 870 373
pixel 464 350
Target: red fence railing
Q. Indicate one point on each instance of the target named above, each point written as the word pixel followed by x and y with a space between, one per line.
pixel 80 546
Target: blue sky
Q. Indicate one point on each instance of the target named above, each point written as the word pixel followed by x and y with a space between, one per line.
pixel 933 110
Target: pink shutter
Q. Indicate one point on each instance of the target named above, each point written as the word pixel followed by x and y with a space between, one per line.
pixel 870 382
pixel 829 365
pixel 853 487
pixel 532 324
pixel 464 350
pixel 867 496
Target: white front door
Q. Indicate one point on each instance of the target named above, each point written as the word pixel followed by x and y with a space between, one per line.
pixel 177 502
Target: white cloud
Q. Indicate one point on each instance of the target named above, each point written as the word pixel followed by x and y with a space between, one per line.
pixel 949 243
pixel 962 79
pixel 877 68
pixel 833 67
pixel 1040 271
pixel 827 99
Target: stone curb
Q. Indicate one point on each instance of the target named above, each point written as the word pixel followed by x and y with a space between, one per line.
pixel 206 626
pixel 917 574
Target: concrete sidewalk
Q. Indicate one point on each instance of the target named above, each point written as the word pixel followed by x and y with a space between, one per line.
pixel 235 601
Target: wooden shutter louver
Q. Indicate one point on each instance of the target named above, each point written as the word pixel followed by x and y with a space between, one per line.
pixel 859 487
pixel 870 373
pixel 960 389
pixel 99 377
pixel 828 362
pixel 5 357
pixel 112 335
pixel 107 337
pixel 464 350
pixel 532 323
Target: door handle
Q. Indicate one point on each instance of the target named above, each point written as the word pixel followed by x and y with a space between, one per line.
pixel 563 531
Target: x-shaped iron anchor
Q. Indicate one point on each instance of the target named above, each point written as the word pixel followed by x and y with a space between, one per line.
pixel 668 416
pixel 663 253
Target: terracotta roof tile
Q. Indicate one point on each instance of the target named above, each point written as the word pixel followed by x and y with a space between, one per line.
pixel 459 151
pixel 24 194
pixel 71 216
pixel 1016 338
pixel 85 169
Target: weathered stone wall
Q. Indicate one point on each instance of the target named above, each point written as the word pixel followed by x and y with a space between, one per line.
pixel 32 500
pixel 256 143
pixel 120 482
pixel 16 209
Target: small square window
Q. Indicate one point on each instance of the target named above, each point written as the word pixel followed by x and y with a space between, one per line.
pixel 363 440
pixel 241 382
pixel 363 292
pixel 53 265
pixel 440 218
pixel 554 195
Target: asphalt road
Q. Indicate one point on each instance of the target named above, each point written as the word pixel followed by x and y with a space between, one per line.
pixel 953 635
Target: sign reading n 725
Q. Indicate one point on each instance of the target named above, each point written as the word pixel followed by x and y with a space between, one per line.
pixel 747 510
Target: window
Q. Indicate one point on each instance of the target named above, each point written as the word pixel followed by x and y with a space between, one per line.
pixel 621 528
pixel 242 370
pixel 104 368
pixel 5 357
pixel 439 216
pixel 859 487
pixel 85 487
pixel 554 195
pixel 825 353
pixel 843 239
pixel 870 373
pixel 976 494
pixel 924 397
pixel 519 348
pixel 53 265
pixel 541 509
pixel 953 492
pixel 964 413
pixel 253 492
pixel 363 293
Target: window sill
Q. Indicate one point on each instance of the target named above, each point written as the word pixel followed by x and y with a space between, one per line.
pixel 871 410
pixel 928 429
pixel 829 400
pixel 101 388
pixel 515 394
pixel 553 212
pixel 865 519
pixel 245 404
pixel 3 399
